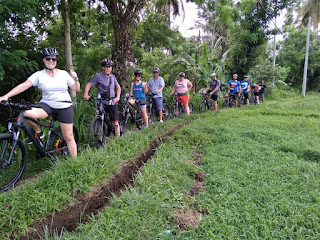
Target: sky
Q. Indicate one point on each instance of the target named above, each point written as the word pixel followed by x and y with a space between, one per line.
pixel 191 17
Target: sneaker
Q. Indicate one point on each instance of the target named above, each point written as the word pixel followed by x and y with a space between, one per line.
pixel 100 143
pixel 161 120
pixel 38 135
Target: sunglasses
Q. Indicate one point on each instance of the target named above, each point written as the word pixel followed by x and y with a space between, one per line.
pixel 53 59
pixel 155 72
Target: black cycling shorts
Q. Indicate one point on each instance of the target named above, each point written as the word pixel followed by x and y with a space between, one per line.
pixel 113 111
pixel 234 95
pixel 214 97
pixel 63 115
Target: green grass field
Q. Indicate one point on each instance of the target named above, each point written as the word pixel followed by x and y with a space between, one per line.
pixel 262 180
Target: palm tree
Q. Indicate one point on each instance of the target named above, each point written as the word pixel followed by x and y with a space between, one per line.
pixel 164 8
pixel 310 10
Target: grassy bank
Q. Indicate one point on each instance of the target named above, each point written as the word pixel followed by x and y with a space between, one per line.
pixel 262 180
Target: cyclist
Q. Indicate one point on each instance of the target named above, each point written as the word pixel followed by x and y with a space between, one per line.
pixel 256 89
pixel 138 89
pixel 214 90
pixel 234 87
pixel 109 89
pixel 156 84
pixel 182 87
pixel 55 99
pixel 261 92
pixel 245 88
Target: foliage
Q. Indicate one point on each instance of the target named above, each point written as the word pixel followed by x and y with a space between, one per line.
pixel 273 78
pixel 292 56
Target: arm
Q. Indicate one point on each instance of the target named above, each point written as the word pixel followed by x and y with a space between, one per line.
pixel 173 90
pixel 76 86
pixel 214 90
pixel 145 88
pixel 189 84
pixel 18 89
pixel 118 89
pixel 86 91
pixel 131 89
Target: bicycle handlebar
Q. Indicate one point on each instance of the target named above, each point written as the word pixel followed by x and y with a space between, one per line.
pixel 17 106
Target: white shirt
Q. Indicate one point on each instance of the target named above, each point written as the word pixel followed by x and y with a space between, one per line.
pixel 54 89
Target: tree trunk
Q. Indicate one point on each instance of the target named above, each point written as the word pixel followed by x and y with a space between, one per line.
pixel 124 17
pixel 67 40
pixel 305 71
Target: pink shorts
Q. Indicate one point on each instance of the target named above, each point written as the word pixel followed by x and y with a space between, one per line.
pixel 184 99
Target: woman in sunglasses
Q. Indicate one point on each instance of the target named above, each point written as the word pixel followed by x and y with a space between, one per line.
pixel 56 100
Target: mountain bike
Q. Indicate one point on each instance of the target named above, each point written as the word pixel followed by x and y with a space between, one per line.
pixel 242 99
pixel 133 112
pixel 153 112
pixel 13 151
pixel 229 100
pixel 177 108
pixel 206 103
pixel 101 126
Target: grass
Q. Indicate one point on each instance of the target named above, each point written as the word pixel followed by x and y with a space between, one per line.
pixel 262 179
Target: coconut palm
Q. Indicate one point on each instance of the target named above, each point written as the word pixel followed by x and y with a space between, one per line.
pixel 311 8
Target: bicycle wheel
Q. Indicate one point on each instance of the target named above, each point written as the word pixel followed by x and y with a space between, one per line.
pixel 166 112
pixel 191 108
pixel 139 119
pixel 241 102
pixel 210 104
pixel 58 143
pixel 96 132
pixel 225 103
pixel 174 110
pixel 202 106
pixel 11 172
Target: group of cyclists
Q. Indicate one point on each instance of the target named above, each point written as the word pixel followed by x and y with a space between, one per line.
pixel 56 100
pixel 235 88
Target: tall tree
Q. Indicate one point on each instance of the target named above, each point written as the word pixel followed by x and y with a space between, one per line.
pixel 124 16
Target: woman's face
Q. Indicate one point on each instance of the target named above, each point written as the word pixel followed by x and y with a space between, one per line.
pixel 50 62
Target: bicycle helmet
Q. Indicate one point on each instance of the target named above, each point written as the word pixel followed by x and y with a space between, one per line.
pixel 138 72
pixel 156 69
pixel 245 76
pixel 235 75
pixel 212 74
pixel 182 74
pixel 106 62
pixel 49 52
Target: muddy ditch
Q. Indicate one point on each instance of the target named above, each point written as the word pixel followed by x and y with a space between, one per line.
pixel 94 202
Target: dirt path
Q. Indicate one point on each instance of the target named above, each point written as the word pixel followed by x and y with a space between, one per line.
pixel 94 202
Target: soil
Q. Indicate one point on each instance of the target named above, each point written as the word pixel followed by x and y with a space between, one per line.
pixel 94 202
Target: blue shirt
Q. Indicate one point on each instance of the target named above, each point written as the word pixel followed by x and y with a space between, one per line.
pixel 245 86
pixel 156 85
pixel 234 84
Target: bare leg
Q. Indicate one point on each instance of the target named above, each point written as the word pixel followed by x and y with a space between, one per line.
pixel 145 116
pixel 36 113
pixel 67 132
pixel 116 127
pixel 186 107
pixel 215 106
pixel 160 114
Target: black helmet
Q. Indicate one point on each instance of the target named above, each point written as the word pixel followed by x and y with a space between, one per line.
pixel 182 74
pixel 106 62
pixel 156 69
pixel 49 52
pixel 138 72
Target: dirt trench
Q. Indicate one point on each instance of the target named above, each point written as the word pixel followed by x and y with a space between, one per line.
pixel 94 202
